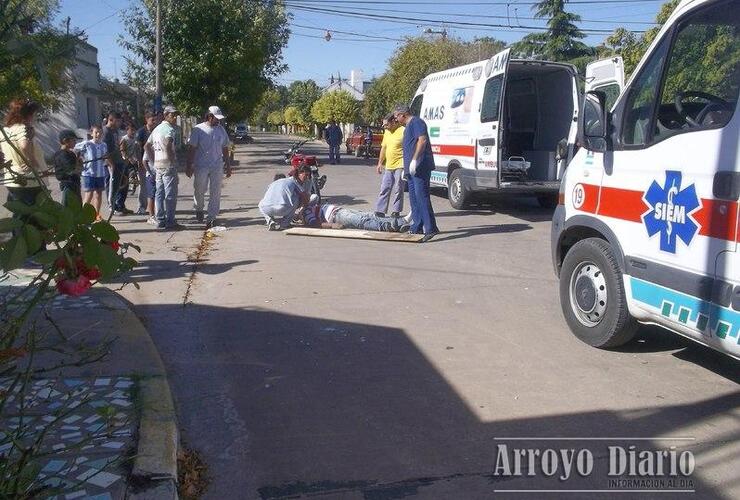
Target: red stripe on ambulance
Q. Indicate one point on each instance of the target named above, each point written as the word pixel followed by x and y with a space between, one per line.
pixel 453 150
pixel 716 218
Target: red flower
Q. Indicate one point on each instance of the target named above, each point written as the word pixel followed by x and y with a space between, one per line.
pixel 75 287
pixel 114 245
pixel 91 273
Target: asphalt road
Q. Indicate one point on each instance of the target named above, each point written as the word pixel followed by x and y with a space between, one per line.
pixel 330 368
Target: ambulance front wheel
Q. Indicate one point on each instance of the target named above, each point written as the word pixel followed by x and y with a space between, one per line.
pixel 592 295
pixel 457 193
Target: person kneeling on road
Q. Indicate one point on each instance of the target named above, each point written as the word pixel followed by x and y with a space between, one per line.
pixel 338 217
pixel 283 198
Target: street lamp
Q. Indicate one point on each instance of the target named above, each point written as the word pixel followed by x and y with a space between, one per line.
pixel 430 31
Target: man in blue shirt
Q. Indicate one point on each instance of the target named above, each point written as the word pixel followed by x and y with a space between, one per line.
pixel 418 163
pixel 333 136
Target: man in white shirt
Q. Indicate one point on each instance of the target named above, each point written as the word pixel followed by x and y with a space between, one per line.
pixel 208 159
pixel 161 146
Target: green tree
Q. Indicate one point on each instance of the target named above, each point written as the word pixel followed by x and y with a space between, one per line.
pixel 339 106
pixel 294 118
pixel 276 118
pixel 272 99
pixel 379 99
pixel 626 44
pixel 561 41
pixel 35 57
pixel 302 94
pixel 221 52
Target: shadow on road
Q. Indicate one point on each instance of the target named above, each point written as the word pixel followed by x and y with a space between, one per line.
pixel 466 232
pixel 287 406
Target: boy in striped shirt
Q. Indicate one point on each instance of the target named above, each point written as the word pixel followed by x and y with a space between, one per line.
pixel 96 163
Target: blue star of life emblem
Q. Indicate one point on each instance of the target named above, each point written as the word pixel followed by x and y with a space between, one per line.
pixel 670 213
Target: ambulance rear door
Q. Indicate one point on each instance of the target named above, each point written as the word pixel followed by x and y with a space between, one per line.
pixel 606 75
pixel 489 134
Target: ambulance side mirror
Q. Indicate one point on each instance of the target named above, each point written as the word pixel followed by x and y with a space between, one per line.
pixel 593 125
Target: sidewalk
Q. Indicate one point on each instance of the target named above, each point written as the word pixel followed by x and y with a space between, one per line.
pixel 110 426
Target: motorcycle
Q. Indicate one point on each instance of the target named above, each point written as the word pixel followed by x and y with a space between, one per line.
pixel 295 157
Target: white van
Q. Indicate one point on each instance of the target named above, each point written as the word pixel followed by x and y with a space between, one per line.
pixel 648 223
pixel 500 125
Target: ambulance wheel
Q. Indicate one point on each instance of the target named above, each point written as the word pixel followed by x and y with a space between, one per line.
pixel 457 193
pixel 548 200
pixel 592 295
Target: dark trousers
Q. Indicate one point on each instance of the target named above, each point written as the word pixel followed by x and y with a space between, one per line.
pixel 421 204
pixel 118 189
pixel 70 186
pixel 27 196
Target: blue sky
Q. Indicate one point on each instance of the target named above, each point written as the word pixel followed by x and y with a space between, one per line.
pixel 308 55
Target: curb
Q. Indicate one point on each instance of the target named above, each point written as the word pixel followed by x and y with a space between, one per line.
pixel 154 471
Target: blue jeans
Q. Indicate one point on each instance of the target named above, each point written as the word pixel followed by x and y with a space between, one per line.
pixel 165 196
pixel 354 219
pixel 423 219
pixel 334 153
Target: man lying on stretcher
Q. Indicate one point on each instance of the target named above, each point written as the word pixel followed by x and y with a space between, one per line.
pixel 337 217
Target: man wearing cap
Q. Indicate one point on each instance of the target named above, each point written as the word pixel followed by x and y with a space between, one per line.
pixel 118 187
pixel 161 146
pixel 208 159
pixel 67 166
pixel 418 163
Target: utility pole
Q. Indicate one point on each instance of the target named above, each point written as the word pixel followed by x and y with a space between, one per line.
pixel 158 62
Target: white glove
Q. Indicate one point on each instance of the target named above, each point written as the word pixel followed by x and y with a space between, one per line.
pixel 412 167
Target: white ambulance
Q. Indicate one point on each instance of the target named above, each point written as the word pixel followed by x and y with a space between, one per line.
pixel 500 125
pixel 647 226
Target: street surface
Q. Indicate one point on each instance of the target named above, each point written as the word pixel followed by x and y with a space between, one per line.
pixel 358 369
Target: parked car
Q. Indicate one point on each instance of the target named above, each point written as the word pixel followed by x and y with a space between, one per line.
pixel 241 133
pixel 355 142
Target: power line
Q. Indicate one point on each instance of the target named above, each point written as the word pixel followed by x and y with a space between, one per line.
pixel 436 22
pixel 477 16
pixel 377 37
pixel 426 2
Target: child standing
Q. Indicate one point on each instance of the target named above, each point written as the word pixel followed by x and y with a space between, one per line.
pixel 67 166
pixel 96 164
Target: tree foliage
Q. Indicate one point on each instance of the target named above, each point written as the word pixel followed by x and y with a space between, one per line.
pixel 275 118
pixel 214 51
pixel 35 57
pixel 293 116
pixel 272 99
pixel 414 60
pixel 339 106
pixel 626 44
pixel 302 94
pixel 561 41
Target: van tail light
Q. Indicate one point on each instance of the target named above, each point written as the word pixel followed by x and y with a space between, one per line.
pixel 561 198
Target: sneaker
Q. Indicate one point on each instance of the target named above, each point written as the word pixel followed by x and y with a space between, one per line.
pixel 141 211
pixel 428 236
pixel 161 226
pixel 199 216
pixel 175 227
pixel 152 220
pixel 119 212
pixel 123 211
pixel 273 226
pixel 210 223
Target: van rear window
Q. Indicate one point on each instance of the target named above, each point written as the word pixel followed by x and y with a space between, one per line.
pixel 491 100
